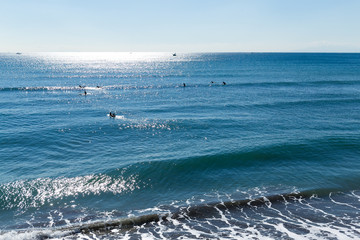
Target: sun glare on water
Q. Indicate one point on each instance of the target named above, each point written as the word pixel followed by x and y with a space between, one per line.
pixel 110 56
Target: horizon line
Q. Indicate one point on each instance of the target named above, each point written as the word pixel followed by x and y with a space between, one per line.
pixel 180 52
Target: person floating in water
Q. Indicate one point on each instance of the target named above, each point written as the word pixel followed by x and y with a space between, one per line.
pixel 224 83
pixel 212 82
pixel 113 115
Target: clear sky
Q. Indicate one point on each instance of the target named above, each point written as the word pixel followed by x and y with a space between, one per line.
pixel 180 25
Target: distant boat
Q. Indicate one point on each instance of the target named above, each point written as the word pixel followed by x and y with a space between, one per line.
pixel 174 54
pixel 18 53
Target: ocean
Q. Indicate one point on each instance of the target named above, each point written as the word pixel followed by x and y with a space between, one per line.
pixel 203 146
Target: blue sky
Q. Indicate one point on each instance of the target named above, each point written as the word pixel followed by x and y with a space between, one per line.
pixel 180 25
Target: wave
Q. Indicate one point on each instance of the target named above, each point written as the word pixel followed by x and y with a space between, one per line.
pixel 254 156
pixel 219 213
pixel 77 88
pixel 200 211
pixel 233 167
pixel 212 82
pixel 54 88
pixel 295 103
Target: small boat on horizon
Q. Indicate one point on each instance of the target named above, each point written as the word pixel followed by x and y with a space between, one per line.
pixel 18 53
pixel 174 54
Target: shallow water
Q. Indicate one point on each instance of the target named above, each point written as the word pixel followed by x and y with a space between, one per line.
pixel 283 123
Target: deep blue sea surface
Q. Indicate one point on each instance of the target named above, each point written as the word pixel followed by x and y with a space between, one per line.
pixel 253 146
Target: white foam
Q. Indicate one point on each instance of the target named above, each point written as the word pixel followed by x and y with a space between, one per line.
pixel 119 117
pixel 298 218
pixel 14 235
pixel 122 117
pixel 340 203
pixel 32 234
pixel 92 88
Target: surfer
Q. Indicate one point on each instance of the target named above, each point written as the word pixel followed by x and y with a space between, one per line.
pixel 224 83
pixel 113 115
pixel 184 84
pixel 85 93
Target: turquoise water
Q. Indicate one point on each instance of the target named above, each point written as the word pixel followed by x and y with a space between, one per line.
pixel 283 123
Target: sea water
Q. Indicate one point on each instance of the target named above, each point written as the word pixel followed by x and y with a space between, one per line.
pixel 208 145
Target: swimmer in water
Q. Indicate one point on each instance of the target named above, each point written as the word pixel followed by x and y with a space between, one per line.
pixel 85 93
pixel 113 115
pixel 184 84
pixel 224 83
